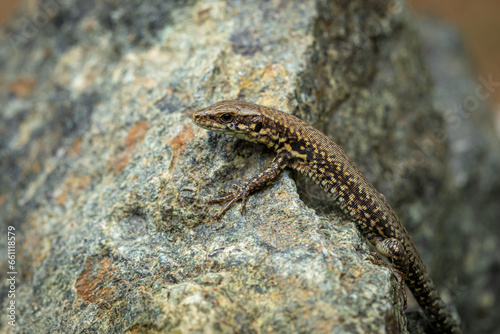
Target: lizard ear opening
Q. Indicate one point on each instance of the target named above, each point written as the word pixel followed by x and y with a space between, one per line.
pixel 258 126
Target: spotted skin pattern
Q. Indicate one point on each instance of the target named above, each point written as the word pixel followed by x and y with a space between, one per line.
pixel 301 147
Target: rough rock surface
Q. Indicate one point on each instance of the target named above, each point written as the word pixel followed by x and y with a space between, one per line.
pixel 105 178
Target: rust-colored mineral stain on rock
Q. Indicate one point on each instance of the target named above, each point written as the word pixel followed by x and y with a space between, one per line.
pixel 122 162
pixel 74 185
pixel 76 148
pixel 135 136
pixel 22 87
pixel 61 199
pixel 95 283
pixel 180 141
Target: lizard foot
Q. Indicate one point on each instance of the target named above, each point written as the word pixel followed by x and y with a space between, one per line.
pixel 231 197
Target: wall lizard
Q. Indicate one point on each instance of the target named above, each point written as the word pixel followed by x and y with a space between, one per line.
pixel 301 147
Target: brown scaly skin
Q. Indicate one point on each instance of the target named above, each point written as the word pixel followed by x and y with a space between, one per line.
pixel 303 148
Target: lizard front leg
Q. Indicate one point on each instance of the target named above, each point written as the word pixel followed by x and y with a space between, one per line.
pixel 257 182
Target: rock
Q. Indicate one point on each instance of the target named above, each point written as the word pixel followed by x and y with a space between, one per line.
pixel 106 180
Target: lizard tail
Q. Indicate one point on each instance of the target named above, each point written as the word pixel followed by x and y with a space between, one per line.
pixel 433 306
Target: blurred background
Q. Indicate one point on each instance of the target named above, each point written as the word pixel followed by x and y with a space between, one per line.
pixel 478 22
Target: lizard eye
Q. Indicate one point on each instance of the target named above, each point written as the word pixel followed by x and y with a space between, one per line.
pixel 258 127
pixel 226 118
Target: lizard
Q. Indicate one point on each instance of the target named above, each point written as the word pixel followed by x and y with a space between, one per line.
pixel 302 147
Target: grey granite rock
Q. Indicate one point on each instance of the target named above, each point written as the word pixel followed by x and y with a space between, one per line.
pixel 105 178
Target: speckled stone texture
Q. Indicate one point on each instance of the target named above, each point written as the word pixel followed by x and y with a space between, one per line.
pixel 106 179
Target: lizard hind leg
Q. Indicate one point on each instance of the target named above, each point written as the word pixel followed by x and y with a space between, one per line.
pixel 400 277
pixel 393 249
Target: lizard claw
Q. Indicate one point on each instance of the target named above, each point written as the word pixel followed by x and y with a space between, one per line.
pixel 244 199
pixel 231 197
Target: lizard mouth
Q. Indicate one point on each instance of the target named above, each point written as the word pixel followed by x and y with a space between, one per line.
pixel 215 129
pixel 206 122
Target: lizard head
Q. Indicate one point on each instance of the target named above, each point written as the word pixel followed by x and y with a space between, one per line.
pixel 237 118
